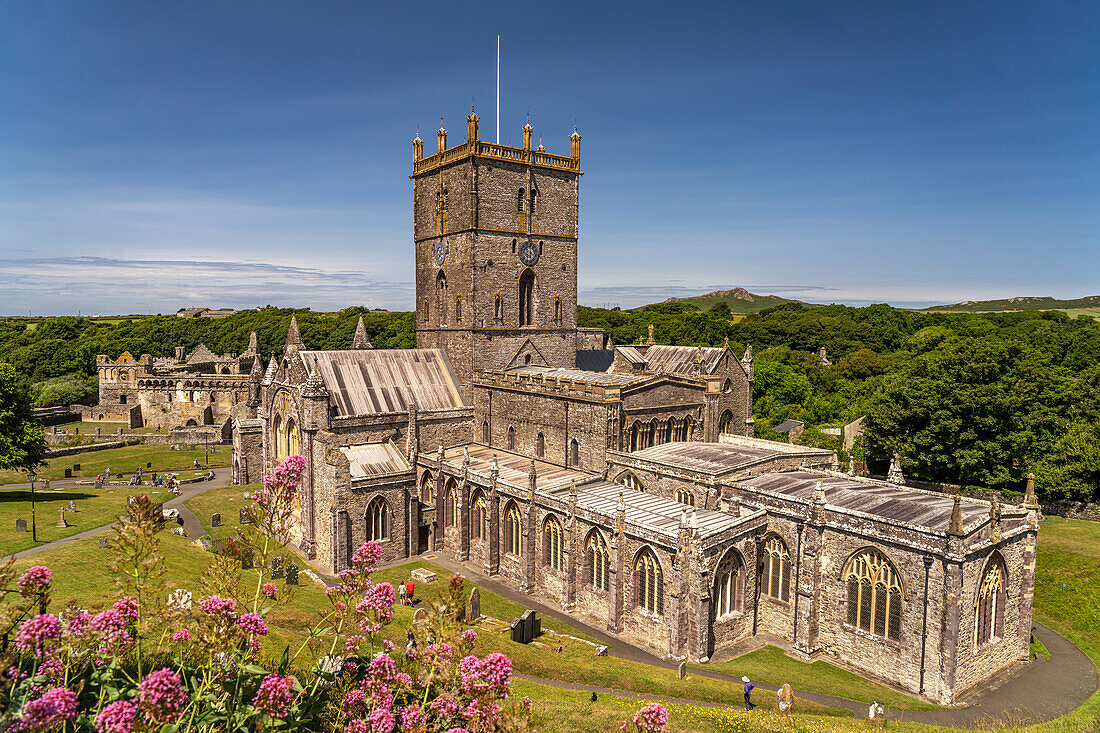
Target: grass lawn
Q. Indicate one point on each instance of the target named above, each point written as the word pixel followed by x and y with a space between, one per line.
pixel 93 509
pixel 124 460
pixel 773 665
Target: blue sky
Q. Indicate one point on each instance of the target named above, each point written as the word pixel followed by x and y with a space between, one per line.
pixel 161 155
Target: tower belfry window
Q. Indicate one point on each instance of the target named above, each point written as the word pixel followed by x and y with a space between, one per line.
pixel 442 282
pixel 519 201
pixel 534 199
pixel 527 298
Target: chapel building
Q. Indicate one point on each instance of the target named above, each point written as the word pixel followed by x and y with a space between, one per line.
pixel 621 484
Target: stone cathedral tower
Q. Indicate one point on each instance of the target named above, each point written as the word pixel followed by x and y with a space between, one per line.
pixel 495 229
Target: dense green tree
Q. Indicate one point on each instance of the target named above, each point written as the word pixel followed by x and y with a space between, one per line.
pixel 22 441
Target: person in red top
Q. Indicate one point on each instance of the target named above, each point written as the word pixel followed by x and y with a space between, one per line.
pixel 409 588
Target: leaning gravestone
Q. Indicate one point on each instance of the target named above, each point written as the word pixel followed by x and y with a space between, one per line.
pixel 104 543
pixel 68 473
pixel 71 506
pixel 61 520
pixel 246 516
pixel 276 567
pixel 784 698
pixel 76 466
pixel 215 520
pixel 474 612
pixel 681 671
pixel 292 574
pixel 533 622
pixel 518 631
pixel 20 525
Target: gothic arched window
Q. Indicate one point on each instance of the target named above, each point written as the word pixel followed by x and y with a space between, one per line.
pixel 649 582
pixel 667 431
pixel 376 519
pixel 874 593
pixel 724 421
pixel 485 432
pixel 498 307
pixel 599 561
pixel 557 309
pixel 527 298
pixel 685 497
pixel 553 552
pixel 634 437
pixel 441 281
pixel 775 574
pixel 511 438
pixel 427 488
pixel 513 531
pixel 989 617
pixel 688 425
pixel 540 445
pixel 481 516
pixel 652 433
pixel 629 480
pixel 729 585
pixel 458 307
pixel 574 453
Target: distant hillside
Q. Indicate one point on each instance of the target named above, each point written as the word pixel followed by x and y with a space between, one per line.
pixel 1089 305
pixel 738 299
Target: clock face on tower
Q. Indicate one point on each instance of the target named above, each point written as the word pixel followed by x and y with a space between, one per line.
pixel 528 253
pixel 441 252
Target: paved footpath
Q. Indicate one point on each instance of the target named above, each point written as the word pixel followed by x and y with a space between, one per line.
pixel 190 521
pixel 1038 692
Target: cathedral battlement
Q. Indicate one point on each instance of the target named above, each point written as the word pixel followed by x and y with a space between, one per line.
pixel 475 147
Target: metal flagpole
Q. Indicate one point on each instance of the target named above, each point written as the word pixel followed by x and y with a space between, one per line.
pixel 498 89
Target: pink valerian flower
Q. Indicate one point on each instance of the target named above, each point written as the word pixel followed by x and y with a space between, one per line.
pixel 358 726
pixel 469 635
pixel 652 718
pixel 388 646
pixel 116 717
pixel 161 694
pixel 445 706
pixel 270 590
pixel 111 630
pixel 252 623
pixel 381 721
pixel 78 624
pixel 215 606
pixel 182 635
pixel 35 580
pixel 382 668
pixel 55 706
pixel 490 674
pixel 127 607
pixel 355 702
pixel 367 555
pixel 275 695
pixel 483 712
pixel 457 730
pixel 52 669
pixel 411 716
pixel 38 633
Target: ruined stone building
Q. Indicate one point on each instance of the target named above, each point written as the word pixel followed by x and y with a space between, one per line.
pixel 188 389
pixel 624 484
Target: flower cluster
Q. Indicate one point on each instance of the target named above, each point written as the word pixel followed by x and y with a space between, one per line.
pixel 38 634
pixel 55 706
pixel 161 695
pixel 35 580
pixel 275 696
pixel 116 717
pixel 650 719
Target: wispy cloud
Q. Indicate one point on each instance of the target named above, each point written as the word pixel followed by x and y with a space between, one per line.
pixel 56 285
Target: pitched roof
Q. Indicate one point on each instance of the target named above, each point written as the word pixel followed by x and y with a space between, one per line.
pixel 374 381
pixel 595 360
pixel 680 359
pixel 630 354
pixel 374 459
pixel 714 458
pixel 579 375
pixel 201 355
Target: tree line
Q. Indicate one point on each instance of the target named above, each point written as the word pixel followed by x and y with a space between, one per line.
pixel 975 399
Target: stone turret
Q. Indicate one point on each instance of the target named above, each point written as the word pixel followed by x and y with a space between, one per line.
pixel 575 144
pixel 955 529
pixel 650 340
pixel 895 475
pixel 418 147
pixel 471 125
pixel 253 345
pixel 272 369
pixel 441 136
pixel 1030 500
pixel 255 385
pixel 532 481
pixel 746 361
pixel 293 338
pixel 360 340
pixel 315 396
pixel 527 130
pixel 412 436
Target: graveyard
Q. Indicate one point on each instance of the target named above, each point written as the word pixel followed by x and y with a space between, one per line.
pixel 124 460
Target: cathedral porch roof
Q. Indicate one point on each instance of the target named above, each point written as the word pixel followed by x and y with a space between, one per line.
pixel 374 459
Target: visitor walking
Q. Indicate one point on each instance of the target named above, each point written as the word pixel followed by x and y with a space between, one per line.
pixel 401 593
pixel 409 588
pixel 748 693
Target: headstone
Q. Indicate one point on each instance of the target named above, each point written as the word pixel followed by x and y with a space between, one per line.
pixel 474 612
pixel 99 431
pixel 681 671
pixel 601 651
pixel 20 525
pixel 204 543
pixel 179 531
pixel 423 575
pixel 276 567
pixel 420 616
pixel 76 466
pixel 61 519
pixel 45 483
pixel 784 698
pixel 130 500
pixel 246 558
pixel 292 574
pixel 71 506
pixel 104 543
pixel 99 484
pixel 518 631
pixel 68 473
pixel 149 464
pixel 246 516
pixel 215 520
pixel 533 622
pixel 876 710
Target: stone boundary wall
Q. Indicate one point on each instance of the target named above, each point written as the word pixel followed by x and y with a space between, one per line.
pixel 1055 507
pixel 74 450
